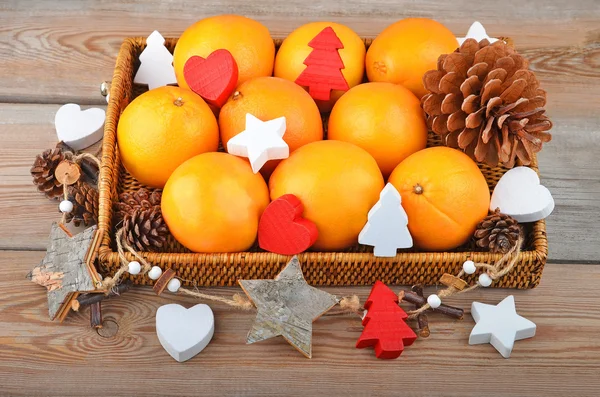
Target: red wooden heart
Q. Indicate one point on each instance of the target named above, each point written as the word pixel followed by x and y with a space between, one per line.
pixel 282 229
pixel 213 78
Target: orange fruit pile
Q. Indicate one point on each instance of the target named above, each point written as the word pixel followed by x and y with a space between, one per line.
pixel 212 201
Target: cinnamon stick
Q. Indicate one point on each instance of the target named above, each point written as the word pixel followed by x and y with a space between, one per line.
pixel 96 315
pixel 161 283
pixel 450 311
pixel 89 299
pixel 422 320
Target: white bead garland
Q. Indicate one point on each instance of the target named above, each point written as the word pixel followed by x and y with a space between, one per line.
pixel 434 301
pixel 469 267
pixel 174 285
pixel 485 280
pixel 65 206
pixel 155 273
pixel 134 267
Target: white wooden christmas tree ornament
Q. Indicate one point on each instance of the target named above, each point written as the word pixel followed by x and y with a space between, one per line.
pixel 79 128
pixel 499 325
pixel 477 32
pixel 520 195
pixel 260 142
pixel 387 225
pixel 182 332
pixel 156 63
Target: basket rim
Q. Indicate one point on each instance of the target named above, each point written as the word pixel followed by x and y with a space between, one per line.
pixel 109 175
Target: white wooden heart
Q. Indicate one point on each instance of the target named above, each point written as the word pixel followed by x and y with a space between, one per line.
pixel 182 332
pixel 79 129
pixel 520 195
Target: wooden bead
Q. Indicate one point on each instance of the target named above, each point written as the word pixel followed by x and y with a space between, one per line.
pixel 174 285
pixel 469 267
pixel 134 267
pixel 434 301
pixel 485 280
pixel 65 206
pixel 155 273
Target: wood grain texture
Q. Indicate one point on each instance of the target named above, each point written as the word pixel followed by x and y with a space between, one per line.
pixel 48 44
pixel 25 214
pixel 562 359
pixel 568 164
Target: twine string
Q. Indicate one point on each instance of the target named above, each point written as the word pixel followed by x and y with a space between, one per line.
pixel 88 156
pixel 494 271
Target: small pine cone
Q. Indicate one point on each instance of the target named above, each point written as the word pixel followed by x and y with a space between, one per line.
pixel 43 169
pixel 485 101
pixel 497 232
pixel 145 229
pixel 85 204
pixel 132 201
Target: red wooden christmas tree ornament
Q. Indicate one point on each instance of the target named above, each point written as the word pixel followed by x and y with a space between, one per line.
pixel 213 78
pixel 282 229
pixel 385 324
pixel 323 66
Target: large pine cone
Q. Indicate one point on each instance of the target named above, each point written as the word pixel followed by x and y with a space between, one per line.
pixel 85 204
pixel 497 232
pixel 132 201
pixel 485 101
pixel 145 229
pixel 42 172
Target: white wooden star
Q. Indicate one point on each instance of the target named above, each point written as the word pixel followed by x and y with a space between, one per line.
pixel 260 142
pixel 477 32
pixel 499 325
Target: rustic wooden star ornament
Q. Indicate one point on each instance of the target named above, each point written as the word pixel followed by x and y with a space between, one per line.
pixel 287 306
pixel 67 269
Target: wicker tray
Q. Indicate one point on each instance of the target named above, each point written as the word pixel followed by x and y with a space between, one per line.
pixel 356 266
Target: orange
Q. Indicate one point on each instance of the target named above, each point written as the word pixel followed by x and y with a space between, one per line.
pixel 444 194
pixel 406 49
pixel 249 42
pixel 269 98
pixel 289 62
pixel 337 182
pixel 385 119
pixel 161 129
pixel 212 203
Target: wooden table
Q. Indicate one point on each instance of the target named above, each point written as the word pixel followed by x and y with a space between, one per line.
pixel 56 52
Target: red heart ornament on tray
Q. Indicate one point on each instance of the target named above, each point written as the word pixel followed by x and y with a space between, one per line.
pixel 282 229
pixel 213 78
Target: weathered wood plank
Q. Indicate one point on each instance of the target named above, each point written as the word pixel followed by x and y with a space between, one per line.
pixel 562 359
pixel 568 163
pixel 63 51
